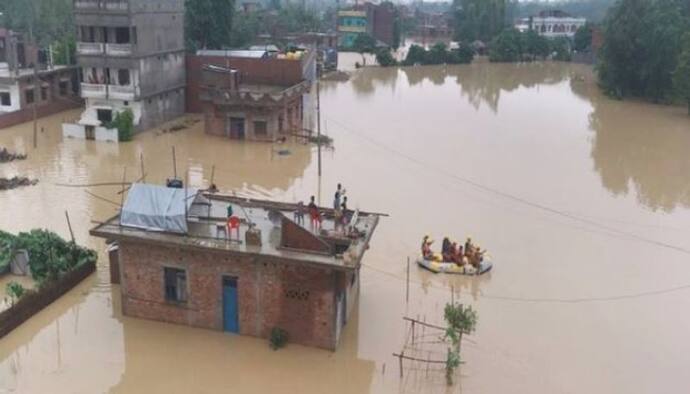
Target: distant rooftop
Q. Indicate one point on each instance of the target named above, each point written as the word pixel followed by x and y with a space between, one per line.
pixel 251 54
pixel 279 234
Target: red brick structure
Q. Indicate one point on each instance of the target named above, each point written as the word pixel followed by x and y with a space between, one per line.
pixel 303 282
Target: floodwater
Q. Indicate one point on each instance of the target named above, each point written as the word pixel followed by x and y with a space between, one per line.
pixel 583 203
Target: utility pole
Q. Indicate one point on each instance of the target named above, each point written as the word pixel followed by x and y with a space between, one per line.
pixel 35 103
pixel 318 119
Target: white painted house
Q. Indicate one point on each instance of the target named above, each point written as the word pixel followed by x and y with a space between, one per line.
pixel 552 24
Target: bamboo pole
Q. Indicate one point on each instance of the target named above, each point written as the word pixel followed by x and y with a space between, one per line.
pixel 143 173
pixel 69 225
pixel 407 282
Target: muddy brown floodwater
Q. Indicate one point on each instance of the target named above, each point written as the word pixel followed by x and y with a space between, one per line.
pixel 583 203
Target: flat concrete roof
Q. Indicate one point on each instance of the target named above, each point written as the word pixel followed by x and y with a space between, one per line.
pixel 210 211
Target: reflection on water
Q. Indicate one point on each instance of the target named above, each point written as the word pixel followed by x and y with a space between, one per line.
pixel 405 141
pixel 635 151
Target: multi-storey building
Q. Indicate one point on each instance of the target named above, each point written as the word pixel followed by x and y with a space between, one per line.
pixel 377 20
pixel 131 54
pixel 28 79
pixel 552 24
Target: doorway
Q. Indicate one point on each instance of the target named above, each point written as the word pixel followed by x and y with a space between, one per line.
pixel 230 318
pixel 237 128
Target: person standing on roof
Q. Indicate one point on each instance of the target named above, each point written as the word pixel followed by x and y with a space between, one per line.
pixel 338 196
pixel 314 213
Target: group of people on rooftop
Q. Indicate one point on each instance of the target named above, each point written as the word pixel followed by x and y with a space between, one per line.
pixel 451 252
pixel 341 213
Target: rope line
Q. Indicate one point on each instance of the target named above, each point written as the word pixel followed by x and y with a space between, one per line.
pixel 511 197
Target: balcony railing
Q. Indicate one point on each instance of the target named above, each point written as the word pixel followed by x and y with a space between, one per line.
pixel 89 48
pixel 121 92
pixel 106 5
pixel 118 49
pixel 90 90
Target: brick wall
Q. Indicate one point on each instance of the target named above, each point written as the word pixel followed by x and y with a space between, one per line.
pixel 280 72
pixel 299 299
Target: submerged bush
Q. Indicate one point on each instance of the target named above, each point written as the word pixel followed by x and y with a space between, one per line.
pixel 15 291
pixel 124 123
pixel 278 338
pixel 49 254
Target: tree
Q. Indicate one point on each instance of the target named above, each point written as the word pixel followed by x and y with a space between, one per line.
pixel 461 320
pixel 534 45
pixel 681 76
pixel 437 54
pixel 415 55
pixel 478 19
pixel 364 43
pixel 583 38
pixel 506 47
pixel 208 23
pixel 463 55
pixel 124 123
pixel 560 49
pixel 384 58
pixel 641 47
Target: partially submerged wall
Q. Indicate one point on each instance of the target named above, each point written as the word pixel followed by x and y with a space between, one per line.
pixel 33 302
pixel 299 299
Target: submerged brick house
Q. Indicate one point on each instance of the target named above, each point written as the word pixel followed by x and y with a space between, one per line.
pixel 271 272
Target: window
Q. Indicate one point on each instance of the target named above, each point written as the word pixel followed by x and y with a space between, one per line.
pixel 175 284
pixel 123 77
pixel 261 128
pixel 63 86
pixel 44 93
pixel 104 115
pixel 29 94
pixel 5 99
pixel 122 35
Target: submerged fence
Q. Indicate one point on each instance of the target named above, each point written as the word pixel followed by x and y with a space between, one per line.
pixel 34 301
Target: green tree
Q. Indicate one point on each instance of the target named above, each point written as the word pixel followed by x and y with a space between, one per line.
pixel 560 49
pixel 534 45
pixel 384 58
pixel 364 43
pixel 124 123
pixel 641 47
pixel 681 76
pixel 415 55
pixel 437 54
pixel 478 19
pixel 463 55
pixel 460 320
pixel 208 23
pixel 583 38
pixel 506 47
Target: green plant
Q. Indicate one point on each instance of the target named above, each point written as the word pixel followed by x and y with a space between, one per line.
pixel 49 254
pixel 384 58
pixel 15 291
pixel 124 123
pixel 461 320
pixel 278 338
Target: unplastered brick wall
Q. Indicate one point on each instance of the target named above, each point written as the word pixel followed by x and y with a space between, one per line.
pixel 271 292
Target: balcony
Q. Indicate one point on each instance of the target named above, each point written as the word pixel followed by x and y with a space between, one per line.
pixel 102 5
pixel 118 49
pixel 90 90
pixel 121 92
pixel 90 48
pixel 352 29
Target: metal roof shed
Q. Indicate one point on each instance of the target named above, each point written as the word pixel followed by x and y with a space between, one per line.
pixel 157 208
